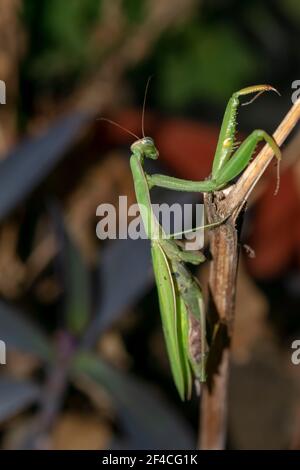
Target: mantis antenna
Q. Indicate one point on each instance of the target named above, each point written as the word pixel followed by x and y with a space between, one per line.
pixel 119 125
pixel 143 115
pixel 144 104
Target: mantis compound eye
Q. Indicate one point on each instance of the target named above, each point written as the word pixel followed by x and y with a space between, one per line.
pixel 148 141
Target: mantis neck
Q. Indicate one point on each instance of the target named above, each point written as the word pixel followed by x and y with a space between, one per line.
pixel 152 228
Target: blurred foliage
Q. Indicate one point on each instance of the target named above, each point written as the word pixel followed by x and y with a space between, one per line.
pixel 76 279
pixel 196 64
pixel 58 35
pixel 292 8
pixel 135 10
pixel 207 55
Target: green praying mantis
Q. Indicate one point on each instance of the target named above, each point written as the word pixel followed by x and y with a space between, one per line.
pixel 180 296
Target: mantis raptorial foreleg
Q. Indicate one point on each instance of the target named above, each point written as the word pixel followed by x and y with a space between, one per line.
pixel 227 164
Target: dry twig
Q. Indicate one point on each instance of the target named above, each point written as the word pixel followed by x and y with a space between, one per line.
pixel 222 283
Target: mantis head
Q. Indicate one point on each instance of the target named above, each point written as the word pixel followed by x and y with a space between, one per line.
pixel 146 147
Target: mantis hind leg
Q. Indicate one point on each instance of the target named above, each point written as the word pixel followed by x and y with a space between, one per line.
pixel 240 159
pixel 192 257
pixel 173 251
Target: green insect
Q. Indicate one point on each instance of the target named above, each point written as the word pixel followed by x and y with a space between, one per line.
pixel 180 296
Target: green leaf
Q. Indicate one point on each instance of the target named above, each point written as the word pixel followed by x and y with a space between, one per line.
pixel 77 301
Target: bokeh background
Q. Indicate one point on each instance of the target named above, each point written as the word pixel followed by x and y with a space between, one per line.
pixel 86 366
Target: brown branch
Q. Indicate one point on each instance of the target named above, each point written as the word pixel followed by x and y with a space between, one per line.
pixel 222 285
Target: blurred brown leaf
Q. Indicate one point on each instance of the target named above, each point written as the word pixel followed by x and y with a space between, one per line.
pixel 275 235
pixel 80 431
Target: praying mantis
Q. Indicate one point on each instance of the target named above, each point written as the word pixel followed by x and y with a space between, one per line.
pixel 180 296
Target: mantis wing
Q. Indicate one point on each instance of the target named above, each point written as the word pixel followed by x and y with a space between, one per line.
pixel 170 303
pixel 184 344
